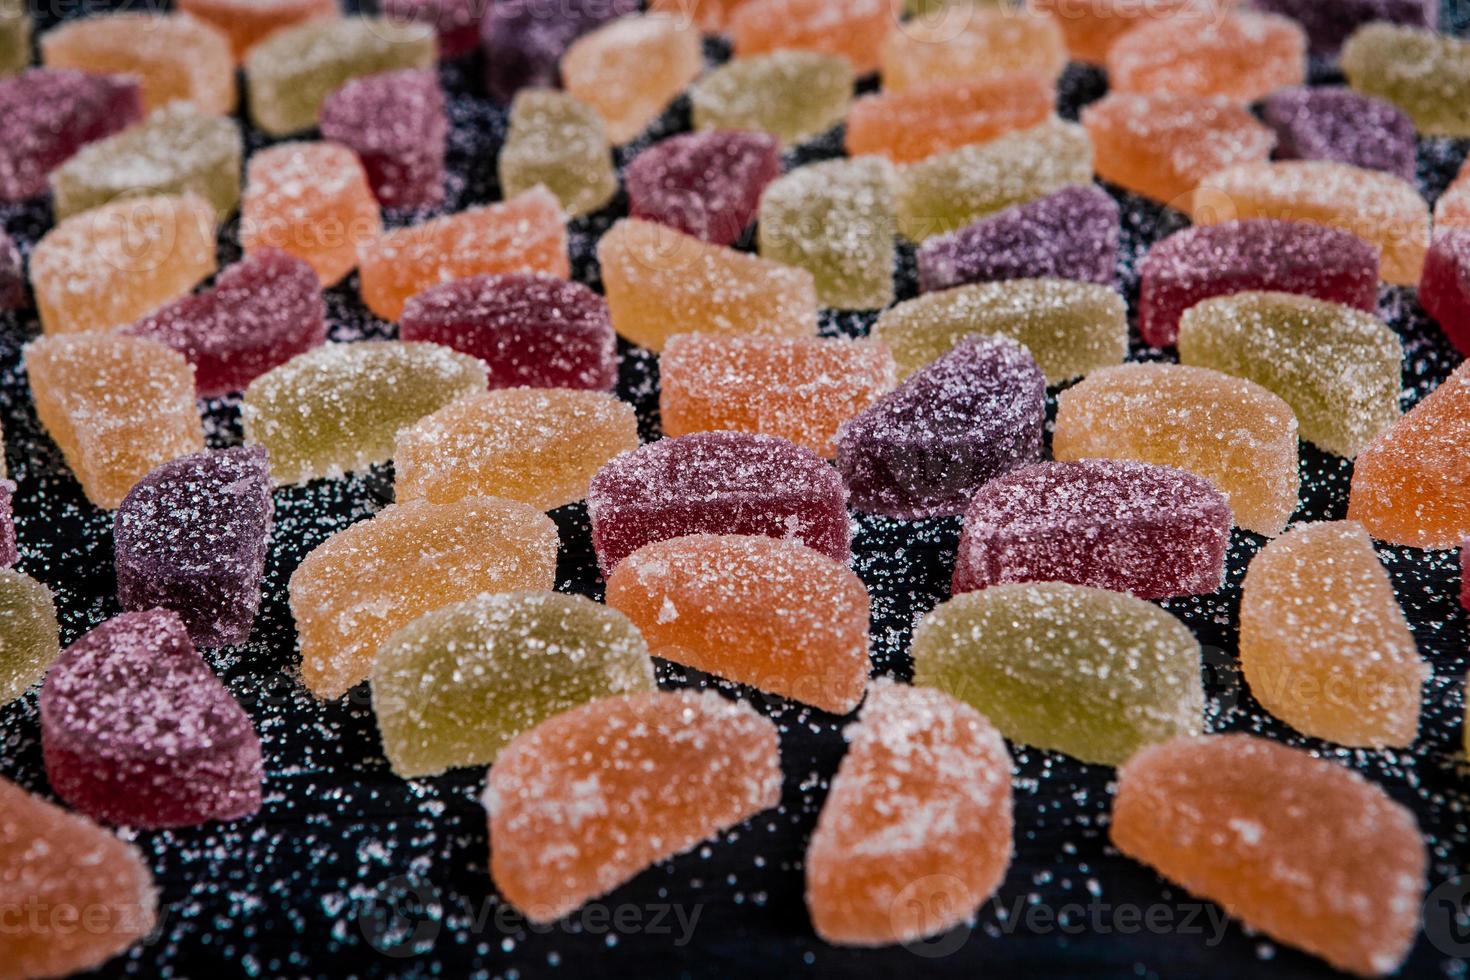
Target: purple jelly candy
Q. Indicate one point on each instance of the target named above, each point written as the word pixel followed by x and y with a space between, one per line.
pixel 1444 287
pixel 1072 234
pixel 12 275
pixel 525 39
pixel 1328 24
pixel 191 536
pixel 395 122
pixel 9 554
pixel 706 184
pixel 1255 254
pixel 1343 125
pixel 456 22
pixel 1465 573
pixel 1154 531
pixel 923 449
pixel 531 330
pixel 717 483
pixel 262 311
pixel 136 729
pixel 47 114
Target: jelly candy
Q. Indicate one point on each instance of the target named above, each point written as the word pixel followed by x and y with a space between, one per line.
pixel 191 536
pixel 587 799
pixel 366 582
pixel 1330 123
pixel 798 388
pixel 951 190
pixel 717 483
pixel 12 276
pixel 456 22
pixel 925 448
pixel 916 758
pixel 395 122
pixel 1452 210
pixel 631 69
pixel 338 407
pixel 1299 848
pixel 558 141
pixel 911 125
pixel 174 57
pixel 1113 524
pixel 538 445
pixel 9 552
pixel 15 37
pixel 1444 289
pixel 1091 28
pixel 47 114
pixel 248 22
pixel 1091 673
pixel 835 219
pixel 1072 234
pixel 1328 26
pixel 1240 56
pixel 706 184
pixel 1411 486
pixel 1069 327
pixel 661 282
pixel 768 612
pixel 137 730
pixel 710 16
pixel 1233 432
pixel 523 40
pixel 1259 253
pixel 310 200
pixel 117 406
pixel 793 95
pixel 526 233
pixel 852 29
pixel 28 633
pixel 987 41
pixel 1419 70
pixel 528 329
pixel 454 686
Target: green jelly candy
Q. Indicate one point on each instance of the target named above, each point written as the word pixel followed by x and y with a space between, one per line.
pixel 1091 673
pixel 15 36
pixel 558 141
pixel 455 685
pixel 1423 72
pixel 793 95
pixel 28 633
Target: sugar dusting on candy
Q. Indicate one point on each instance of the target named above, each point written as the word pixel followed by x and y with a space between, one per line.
pixel 913 125
pixel 557 140
pixel 12 275
pixel 631 69
pixel 851 29
pixel 524 40
pixel 1340 124
pixel 457 22
pixel 1327 26
pixel 395 122
pixel 705 184
pixel 793 95
pixel 1238 55
pixel 1444 289
pixel 29 641
pixel 1421 71
pixel 47 114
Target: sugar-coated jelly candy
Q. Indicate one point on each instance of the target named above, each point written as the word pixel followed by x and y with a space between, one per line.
pixel 710 16
pixel 9 551
pixel 793 95
pixel 1444 288
pixel 1241 56
pixel 852 29
pixel 338 407
pixel 1091 28
pixel 364 583
pixel 192 536
pixel 798 388
pixel 1333 123
pixel 1233 432
pixel 28 633
pixel 1299 848
pixel 923 449
pixel 1088 672
pixel 117 406
pixel 918 123
pixel 631 69
pixel 916 758
pixel 1382 209
pixel 15 37
pixel 523 40
pixel 456 23
pixel 47 114
pixel 587 799
pixel 537 445
pixel 526 233
pixel 661 282
pixel 1069 327
pixel 1154 531
pixel 454 686
pixel 528 329
pixel 1257 253
pixel 984 41
pixel 54 860
pixel 248 22
pixel 951 190
pixel 706 184
pixel 717 483
pixel 395 122
pixel 12 275
pixel 137 730
pixel 836 220
pixel 1452 210
pixel 557 140
pixel 1411 485
pixel 1421 71
pixel 174 57
pixel 1329 25
pixel 1465 577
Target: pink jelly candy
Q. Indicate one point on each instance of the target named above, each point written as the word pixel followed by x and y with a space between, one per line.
pixel 524 40
pixel 9 553
pixel 456 22
pixel 1444 288
pixel 1465 574
pixel 707 184
pixel 137 730
pixel 47 114
pixel 394 121
pixel 1336 123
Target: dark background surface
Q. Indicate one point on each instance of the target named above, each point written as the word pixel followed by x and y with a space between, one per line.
pixel 350 870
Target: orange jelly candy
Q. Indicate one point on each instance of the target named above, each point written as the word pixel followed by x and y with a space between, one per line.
pixel 177 58
pixel 1240 56
pixel 934 51
pixel 1090 27
pixel 245 22
pixel 526 233
pixel 853 29
pixel 918 123
pixel 709 16
pixel 631 69
pixel 1452 210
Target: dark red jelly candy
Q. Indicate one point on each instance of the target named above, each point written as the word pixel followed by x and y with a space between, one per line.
pixel 524 40
pixel 1335 123
pixel 1444 286
pixel 1329 24
pixel 12 275
pixel 395 122
pixel 706 184
pixel 456 22
pixel 47 114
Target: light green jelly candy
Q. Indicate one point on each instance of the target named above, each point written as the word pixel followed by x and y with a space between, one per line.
pixel 558 140
pixel 290 73
pixel 28 634
pixel 175 150
pixel 339 407
pixel 949 191
pixel 1423 72
pixel 1091 673
pixel 454 686
pixel 15 36
pixel 835 219
pixel 793 95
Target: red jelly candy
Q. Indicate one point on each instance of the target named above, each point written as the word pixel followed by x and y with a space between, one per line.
pixel 394 121
pixel 12 275
pixel 706 184
pixel 47 114
pixel 1444 287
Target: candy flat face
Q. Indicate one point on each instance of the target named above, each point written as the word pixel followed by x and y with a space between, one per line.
pixel 174 57
pixel 395 122
pixel 1339 124
pixel 1328 26
pixel 1153 531
pixel 523 40
pixel 922 795
pixel 793 95
pixel 917 123
pixel 248 22
pixel 661 282
pixel 558 141
pixel 28 633
pixel 338 407
pixel 137 730
pixel 1306 851
pixel 453 687
pixel 985 41
pixel 1239 56
pixel 116 406
pixel 46 114
pixel 1090 29
pixel 631 69
pixel 537 445
pixel 801 389
pixel 1091 673
pixel 368 581
pixel 1418 69
pixel 852 29
pixel 706 184
pixel 1233 432
pixel 1444 289
pixel 456 23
